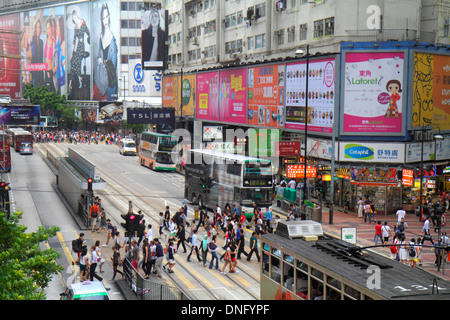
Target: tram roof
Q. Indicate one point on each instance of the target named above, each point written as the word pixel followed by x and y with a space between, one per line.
pixel 397 281
pixel 229 156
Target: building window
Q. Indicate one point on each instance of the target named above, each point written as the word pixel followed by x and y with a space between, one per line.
pixel 329 26
pixel 291 34
pixel 303 32
pixel 318 28
pixel 260 41
pixel 251 43
pixel 280 39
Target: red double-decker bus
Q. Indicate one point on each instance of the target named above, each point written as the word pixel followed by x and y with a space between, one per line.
pixel 5 152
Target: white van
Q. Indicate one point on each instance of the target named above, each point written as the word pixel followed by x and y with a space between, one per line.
pixel 127 146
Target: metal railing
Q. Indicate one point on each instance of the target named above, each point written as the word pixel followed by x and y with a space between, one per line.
pixel 149 289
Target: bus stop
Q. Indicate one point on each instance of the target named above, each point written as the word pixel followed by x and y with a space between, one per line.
pixel 74 170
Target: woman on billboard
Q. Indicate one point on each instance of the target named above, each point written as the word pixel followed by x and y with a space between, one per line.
pixel 106 66
pixel 153 38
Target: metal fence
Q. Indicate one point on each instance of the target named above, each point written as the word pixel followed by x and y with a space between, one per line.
pixel 149 289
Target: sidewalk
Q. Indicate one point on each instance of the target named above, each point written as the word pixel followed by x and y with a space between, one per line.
pixel 366 234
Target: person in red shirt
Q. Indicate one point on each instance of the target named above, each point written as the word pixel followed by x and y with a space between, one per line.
pixel 378 233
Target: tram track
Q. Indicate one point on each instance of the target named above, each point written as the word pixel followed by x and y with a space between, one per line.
pixel 119 195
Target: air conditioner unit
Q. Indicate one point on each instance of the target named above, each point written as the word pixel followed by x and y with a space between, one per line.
pixel 429 135
pixel 418 135
pixel 276 32
pixel 307 229
pixel 196 41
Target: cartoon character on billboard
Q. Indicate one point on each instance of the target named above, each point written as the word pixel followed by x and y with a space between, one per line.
pixel 394 87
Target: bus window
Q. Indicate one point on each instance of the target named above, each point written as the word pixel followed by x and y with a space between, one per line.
pixel 166 144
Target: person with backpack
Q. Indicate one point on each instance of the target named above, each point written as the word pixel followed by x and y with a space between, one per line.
pixel 412 253
pixel 213 248
pixel 400 228
pixel 77 247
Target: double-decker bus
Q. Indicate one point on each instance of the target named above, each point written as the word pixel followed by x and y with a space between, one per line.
pixel 5 152
pixel 157 151
pixel 225 179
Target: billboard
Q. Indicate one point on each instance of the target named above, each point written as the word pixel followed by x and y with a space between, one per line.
pixel 43 54
pixel 373 97
pixel 266 96
pixel 207 96
pixel 20 115
pixel 372 152
pixel 173 86
pixel 110 112
pixel 321 95
pixel 143 83
pixel 150 115
pixel 233 96
pixel 431 97
pixel 10 66
pixel 154 24
pixel 78 59
pixel 105 49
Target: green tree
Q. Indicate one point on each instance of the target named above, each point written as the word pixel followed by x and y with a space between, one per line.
pixel 25 269
pixel 51 104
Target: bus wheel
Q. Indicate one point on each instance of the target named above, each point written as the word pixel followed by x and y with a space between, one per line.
pixel 194 199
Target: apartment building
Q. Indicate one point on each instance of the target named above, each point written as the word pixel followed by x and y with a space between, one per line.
pixel 213 33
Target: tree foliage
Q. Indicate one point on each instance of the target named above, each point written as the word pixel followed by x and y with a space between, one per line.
pixel 51 104
pixel 25 269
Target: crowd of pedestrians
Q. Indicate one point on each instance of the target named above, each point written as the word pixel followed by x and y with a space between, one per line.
pixel 82 136
pixel 154 253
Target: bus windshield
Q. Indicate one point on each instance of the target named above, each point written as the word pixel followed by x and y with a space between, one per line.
pixel 259 196
pixel 166 144
pixel 258 168
pixel 164 158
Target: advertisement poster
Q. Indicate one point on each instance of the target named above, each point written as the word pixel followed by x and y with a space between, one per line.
pixel 320 95
pixel 172 85
pixel 431 98
pixel 110 112
pixel 42 48
pixel 266 96
pixel 169 89
pixel 207 96
pixel 233 96
pixel 105 39
pixel 374 85
pixel 153 38
pixel 372 152
pixel 78 60
pixel 143 83
pixel 20 115
pixel 10 81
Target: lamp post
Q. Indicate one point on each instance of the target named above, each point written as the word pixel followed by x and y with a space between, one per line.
pixel 302 52
pixel 435 137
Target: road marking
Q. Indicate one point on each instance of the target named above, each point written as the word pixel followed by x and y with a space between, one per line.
pixel 183 279
pixel 196 274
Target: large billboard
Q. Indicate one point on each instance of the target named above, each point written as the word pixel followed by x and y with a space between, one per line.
pixel 20 115
pixel 154 24
pixel 43 54
pixel 9 47
pixel 176 86
pixel 233 96
pixel 266 96
pixel 431 96
pixel 373 93
pixel 321 95
pixel 78 60
pixel 207 96
pixel 105 49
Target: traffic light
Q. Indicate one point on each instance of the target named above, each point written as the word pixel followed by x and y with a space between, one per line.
pixel 89 181
pixel 320 186
pixel 4 186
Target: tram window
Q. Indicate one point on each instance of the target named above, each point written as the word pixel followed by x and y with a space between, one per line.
pixel 302 266
pixel 288 258
pixel 276 252
pixel 266 247
pixel 316 290
pixel 317 274
pixel 265 263
pixel 333 294
pixel 302 284
pixel 288 276
pixel 275 274
pixel 336 284
pixel 352 293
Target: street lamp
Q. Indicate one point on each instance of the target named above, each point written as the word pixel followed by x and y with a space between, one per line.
pixel 302 52
pixel 435 137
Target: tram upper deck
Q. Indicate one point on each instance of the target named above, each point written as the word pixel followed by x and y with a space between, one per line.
pixel 329 268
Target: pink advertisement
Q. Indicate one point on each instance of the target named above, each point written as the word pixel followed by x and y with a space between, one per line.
pixel 9 45
pixel 373 93
pixel 208 96
pixel 233 96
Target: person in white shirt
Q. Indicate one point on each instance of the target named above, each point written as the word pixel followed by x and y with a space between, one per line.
pixel 400 214
pixel 292 184
pixel 426 231
pixel 194 247
pixel 93 265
